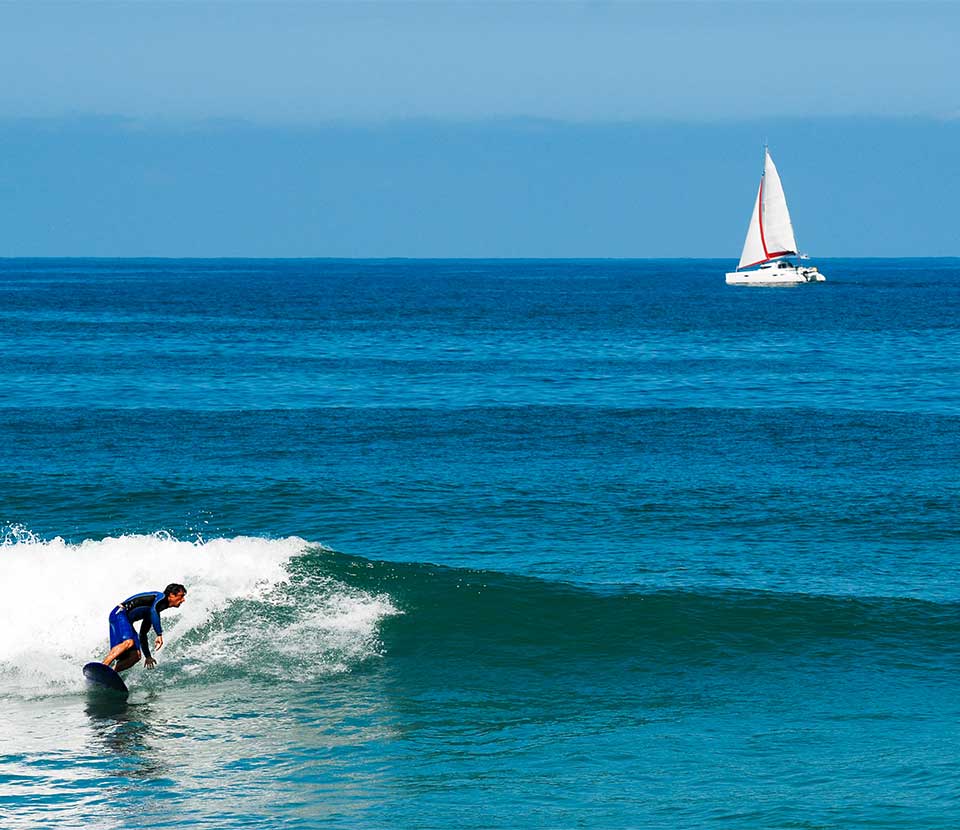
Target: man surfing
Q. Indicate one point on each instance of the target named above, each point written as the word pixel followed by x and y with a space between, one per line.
pixel 125 646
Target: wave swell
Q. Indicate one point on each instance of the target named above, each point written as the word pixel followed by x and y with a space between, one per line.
pixel 494 615
pixel 264 609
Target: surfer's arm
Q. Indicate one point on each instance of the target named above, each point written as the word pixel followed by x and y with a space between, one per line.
pixel 155 618
pixel 148 661
pixel 155 622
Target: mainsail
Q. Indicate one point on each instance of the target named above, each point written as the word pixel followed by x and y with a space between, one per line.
pixel 770 234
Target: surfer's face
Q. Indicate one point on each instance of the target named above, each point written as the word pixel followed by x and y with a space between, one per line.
pixel 176 600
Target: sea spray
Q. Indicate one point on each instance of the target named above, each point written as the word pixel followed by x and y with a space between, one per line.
pixel 298 631
pixel 241 609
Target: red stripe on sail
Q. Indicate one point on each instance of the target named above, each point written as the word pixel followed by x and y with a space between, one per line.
pixel 763 241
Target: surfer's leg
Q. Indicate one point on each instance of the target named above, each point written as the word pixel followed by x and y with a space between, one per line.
pixel 119 649
pixel 122 636
pixel 131 658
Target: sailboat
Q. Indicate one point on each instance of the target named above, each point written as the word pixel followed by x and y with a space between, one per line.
pixel 770 241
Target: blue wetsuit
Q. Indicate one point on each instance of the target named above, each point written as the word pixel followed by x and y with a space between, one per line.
pixel 147 607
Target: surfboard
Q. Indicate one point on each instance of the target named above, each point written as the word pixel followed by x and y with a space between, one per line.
pixel 102 679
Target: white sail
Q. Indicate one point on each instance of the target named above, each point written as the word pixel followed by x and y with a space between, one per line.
pixel 770 234
pixel 777 228
pixel 753 251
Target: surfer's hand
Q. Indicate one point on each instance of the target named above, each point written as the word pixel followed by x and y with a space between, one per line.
pixel 150 662
pixel 159 644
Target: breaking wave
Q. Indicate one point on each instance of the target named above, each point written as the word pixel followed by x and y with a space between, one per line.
pixel 249 611
pixel 265 609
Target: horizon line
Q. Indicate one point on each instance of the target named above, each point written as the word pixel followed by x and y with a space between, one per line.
pixel 227 258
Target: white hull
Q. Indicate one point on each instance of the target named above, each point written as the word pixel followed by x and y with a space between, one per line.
pixel 776 273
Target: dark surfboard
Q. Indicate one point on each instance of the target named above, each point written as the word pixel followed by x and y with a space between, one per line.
pixel 103 680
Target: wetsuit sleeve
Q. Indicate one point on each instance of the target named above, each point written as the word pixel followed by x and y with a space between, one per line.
pixel 144 645
pixel 155 616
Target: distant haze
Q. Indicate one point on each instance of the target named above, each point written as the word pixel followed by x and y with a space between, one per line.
pixel 313 62
pixel 474 129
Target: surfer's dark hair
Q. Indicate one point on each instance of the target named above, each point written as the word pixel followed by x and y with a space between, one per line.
pixel 174 588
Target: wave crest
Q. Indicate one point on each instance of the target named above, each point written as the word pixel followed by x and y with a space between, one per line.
pixel 249 607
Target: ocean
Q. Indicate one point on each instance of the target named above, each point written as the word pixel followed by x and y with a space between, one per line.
pixel 482 544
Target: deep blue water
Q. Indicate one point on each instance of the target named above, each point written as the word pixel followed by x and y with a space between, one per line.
pixel 483 543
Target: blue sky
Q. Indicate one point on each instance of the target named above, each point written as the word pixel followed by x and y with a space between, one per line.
pixel 474 129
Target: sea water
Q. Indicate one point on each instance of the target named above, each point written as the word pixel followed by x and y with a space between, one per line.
pixel 476 544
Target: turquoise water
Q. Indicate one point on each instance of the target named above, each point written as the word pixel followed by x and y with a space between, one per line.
pixel 483 544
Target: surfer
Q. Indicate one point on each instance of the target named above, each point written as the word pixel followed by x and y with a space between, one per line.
pixel 125 646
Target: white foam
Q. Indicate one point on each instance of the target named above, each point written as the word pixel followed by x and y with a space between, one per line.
pixel 58 597
pixel 331 628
